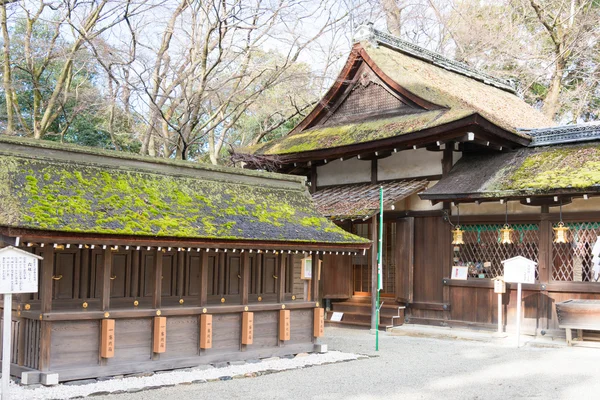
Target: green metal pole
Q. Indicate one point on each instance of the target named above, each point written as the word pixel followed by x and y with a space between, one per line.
pixel 379 265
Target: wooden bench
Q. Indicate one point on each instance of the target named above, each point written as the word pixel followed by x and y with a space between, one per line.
pixel 578 315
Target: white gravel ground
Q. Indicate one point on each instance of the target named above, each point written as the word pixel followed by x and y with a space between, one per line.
pixel 415 368
pixel 409 368
pixel 177 377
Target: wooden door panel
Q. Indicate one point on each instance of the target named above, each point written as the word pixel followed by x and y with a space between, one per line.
pixel 405 245
pixel 233 275
pixel 336 275
pixel 213 275
pixel 64 273
pixel 168 275
pixel 118 277
pixel 269 271
pixel 147 277
pixel 193 273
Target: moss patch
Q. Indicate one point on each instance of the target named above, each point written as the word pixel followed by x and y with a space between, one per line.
pixel 66 196
pixel 556 167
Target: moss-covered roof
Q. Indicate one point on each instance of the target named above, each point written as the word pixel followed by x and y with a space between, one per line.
pixel 528 171
pixel 46 188
pixel 336 136
pixel 458 95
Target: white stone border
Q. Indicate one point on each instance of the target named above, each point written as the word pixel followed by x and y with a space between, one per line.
pixel 200 374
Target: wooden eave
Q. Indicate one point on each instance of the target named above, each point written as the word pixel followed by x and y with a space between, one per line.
pixel 486 133
pixel 537 199
pixel 75 239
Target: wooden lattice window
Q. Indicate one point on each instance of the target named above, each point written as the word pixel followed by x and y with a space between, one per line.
pixel 482 245
pixel 572 261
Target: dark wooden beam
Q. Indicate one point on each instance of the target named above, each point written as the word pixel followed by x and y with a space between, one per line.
pixel 447 158
pixel 158 269
pixel 245 260
pixel 374 171
pixel 314 282
pixel 47 282
pixel 313 178
pixel 281 278
pixel 204 279
pixel 31 235
pixel 106 274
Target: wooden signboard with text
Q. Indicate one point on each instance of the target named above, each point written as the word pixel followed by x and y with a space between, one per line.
pixel 319 322
pixel 284 325
pixel 160 335
pixel 107 349
pixel 206 328
pixel 247 327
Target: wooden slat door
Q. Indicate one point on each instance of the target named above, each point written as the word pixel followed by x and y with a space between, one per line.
pixel 336 275
pixel 233 277
pixel 269 272
pixel 119 278
pixel 405 245
pixel 66 274
pixel 169 274
pixel 193 275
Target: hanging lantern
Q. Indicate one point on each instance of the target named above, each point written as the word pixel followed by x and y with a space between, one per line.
pixel 560 231
pixel 506 230
pixel 457 235
pixel 505 234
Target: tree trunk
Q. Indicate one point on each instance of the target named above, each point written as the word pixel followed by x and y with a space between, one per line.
pixel 552 99
pixel 7 79
pixel 392 16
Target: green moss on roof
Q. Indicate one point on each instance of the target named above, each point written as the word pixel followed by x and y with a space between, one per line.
pixel 555 167
pixel 61 195
pixel 335 136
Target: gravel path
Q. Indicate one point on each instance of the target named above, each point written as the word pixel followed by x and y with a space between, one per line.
pixel 414 368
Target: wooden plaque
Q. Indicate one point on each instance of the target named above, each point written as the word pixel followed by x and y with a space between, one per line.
pixel 206 328
pixel 319 322
pixel 160 335
pixel 247 327
pixel 107 349
pixel 284 325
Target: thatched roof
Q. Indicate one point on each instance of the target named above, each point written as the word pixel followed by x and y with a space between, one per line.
pixel 455 92
pixel 532 171
pixel 53 188
pixel 361 200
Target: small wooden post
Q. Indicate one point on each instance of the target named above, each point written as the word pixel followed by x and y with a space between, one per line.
pixel 284 325
pixel 107 349
pixel 319 322
pixel 314 282
pixel 247 327
pixel 281 278
pixel 160 335
pixel 206 329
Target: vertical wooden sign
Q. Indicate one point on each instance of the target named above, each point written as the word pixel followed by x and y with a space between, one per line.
pixel 206 328
pixel 160 335
pixel 247 327
pixel 107 348
pixel 284 325
pixel 319 322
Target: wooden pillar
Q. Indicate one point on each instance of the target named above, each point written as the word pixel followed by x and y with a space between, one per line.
pixel 46 306
pixel 180 274
pixel 204 279
pixel 46 279
pixel 313 179
pixel 157 293
pixel 106 274
pixel 245 277
pixel 447 160
pixel 315 278
pixel 374 171
pixel 545 267
pixel 374 322
pixel 281 278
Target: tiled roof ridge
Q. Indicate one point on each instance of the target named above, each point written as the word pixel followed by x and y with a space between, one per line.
pixel 563 134
pixel 368 33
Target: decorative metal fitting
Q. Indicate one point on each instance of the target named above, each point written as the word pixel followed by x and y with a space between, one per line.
pixel 204 310
pixel 283 306
pixel 180 301
pixel 136 303
pixel 85 304
pixel 27 306
pixel 158 312
pixel 106 314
